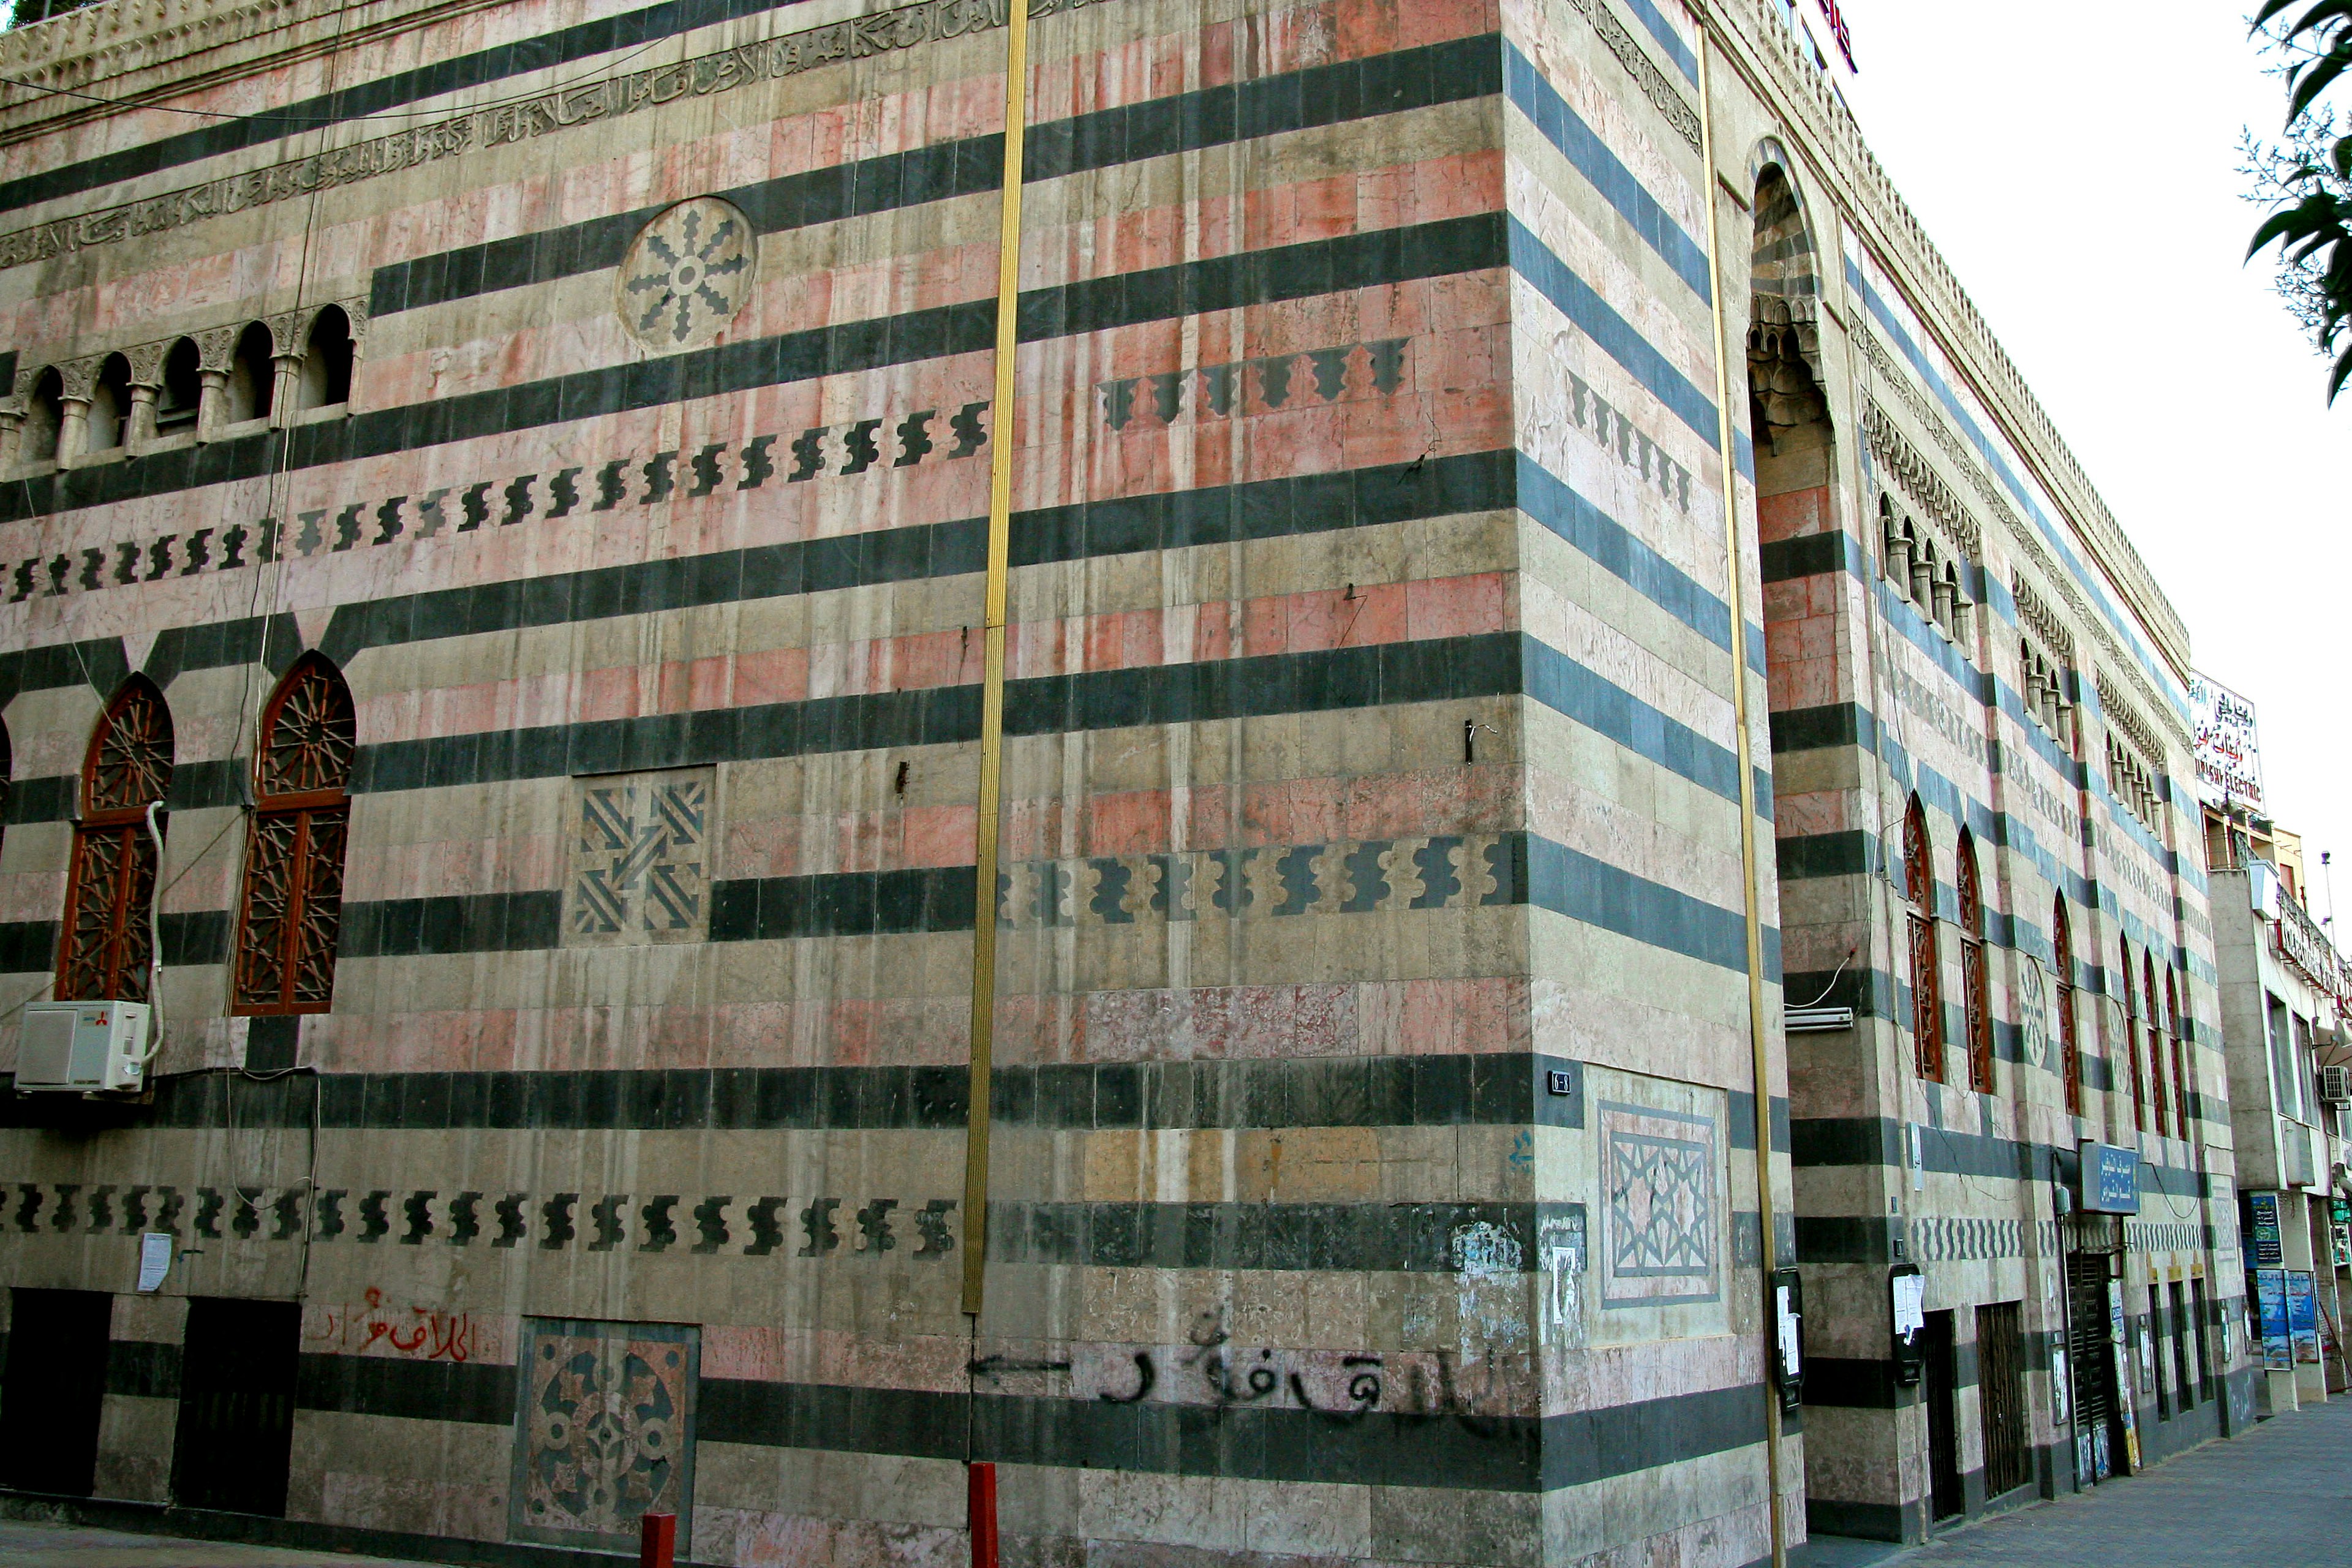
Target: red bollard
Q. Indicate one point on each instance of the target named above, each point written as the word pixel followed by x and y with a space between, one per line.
pixel 980 1505
pixel 657 1541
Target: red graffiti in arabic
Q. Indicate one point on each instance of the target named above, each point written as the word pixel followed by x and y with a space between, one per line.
pixel 425 1333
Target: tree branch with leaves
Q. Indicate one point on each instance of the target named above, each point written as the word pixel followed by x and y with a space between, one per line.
pixel 2306 178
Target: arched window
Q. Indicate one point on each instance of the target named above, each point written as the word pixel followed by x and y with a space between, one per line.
pixel 252 374
pixel 45 413
pixel 294 857
pixel 327 360
pixel 2131 1042
pixel 109 406
pixel 2069 1047
pixel 2180 1082
pixel 1976 995
pixel 111 889
pixel 177 400
pixel 1927 991
pixel 2157 1094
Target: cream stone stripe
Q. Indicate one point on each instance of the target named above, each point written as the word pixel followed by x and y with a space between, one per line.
pixel 989 830
pixel 1758 1033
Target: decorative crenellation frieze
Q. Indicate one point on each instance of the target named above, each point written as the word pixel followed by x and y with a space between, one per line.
pixel 820 1227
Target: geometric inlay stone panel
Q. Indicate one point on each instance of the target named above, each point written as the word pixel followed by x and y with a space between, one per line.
pixel 688 274
pixel 640 859
pixel 605 1431
pixel 1662 1240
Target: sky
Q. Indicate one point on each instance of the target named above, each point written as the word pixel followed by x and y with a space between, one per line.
pixel 2076 162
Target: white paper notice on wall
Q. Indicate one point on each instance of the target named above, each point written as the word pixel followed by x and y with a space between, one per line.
pixel 1790 1339
pixel 1910 1304
pixel 154 1259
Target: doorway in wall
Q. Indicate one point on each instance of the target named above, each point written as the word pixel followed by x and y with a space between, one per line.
pixel 2001 1394
pixel 1945 1496
pixel 236 1405
pixel 52 1388
pixel 2091 1359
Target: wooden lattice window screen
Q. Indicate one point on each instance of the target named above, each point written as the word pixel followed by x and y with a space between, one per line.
pixel 1975 984
pixel 292 910
pixel 2069 1047
pixel 2157 1094
pixel 1927 991
pixel 2180 1076
pixel 109 889
pixel 2131 1040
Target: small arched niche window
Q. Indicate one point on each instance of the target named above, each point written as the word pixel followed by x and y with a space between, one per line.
pixel 110 405
pixel 1926 991
pixel 292 909
pixel 183 391
pixel 2069 1047
pixel 327 360
pixel 252 374
pixel 2131 1042
pixel 110 891
pixel 1976 995
pixel 2180 1082
pixel 45 413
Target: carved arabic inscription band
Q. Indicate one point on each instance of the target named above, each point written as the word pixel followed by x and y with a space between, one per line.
pixel 857 38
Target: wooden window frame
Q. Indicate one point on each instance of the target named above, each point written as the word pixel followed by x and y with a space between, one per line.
pixel 2180 1056
pixel 1926 959
pixel 300 836
pixel 1976 982
pixel 2070 1045
pixel 2131 1042
pixel 112 842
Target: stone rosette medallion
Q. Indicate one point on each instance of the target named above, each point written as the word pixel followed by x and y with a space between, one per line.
pixel 688 274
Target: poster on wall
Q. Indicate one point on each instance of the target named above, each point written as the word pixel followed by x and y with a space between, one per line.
pixel 2270 1314
pixel 2262 1229
pixel 2124 1403
pixel 2302 1316
pixel 2228 751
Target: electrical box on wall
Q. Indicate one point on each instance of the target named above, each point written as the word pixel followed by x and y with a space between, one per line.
pixel 82 1048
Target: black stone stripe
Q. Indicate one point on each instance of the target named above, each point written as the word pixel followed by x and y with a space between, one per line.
pixel 1437 670
pixel 585 41
pixel 1808 555
pixel 472 1392
pixel 142 1369
pixel 1449 72
pixel 1376 257
pixel 1819 1141
pixel 1461 1451
pixel 1356 1091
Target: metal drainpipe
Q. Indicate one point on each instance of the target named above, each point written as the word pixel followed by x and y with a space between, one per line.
pixel 1758 1027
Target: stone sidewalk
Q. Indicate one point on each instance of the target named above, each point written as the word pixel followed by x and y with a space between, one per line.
pixel 2280 1496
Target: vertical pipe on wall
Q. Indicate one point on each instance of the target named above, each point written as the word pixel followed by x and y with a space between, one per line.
pixel 992 701
pixel 1759 1030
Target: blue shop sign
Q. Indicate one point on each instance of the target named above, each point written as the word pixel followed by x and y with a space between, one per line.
pixel 2110 1178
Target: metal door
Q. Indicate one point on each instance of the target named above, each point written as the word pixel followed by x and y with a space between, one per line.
pixel 2000 1393
pixel 236 1405
pixel 2092 1363
pixel 52 1390
pixel 1946 1496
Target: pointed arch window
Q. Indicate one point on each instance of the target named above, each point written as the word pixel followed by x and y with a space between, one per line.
pixel 292 908
pixel 2069 1047
pixel 111 888
pixel 2131 1042
pixel 1976 992
pixel 2157 1093
pixel 1927 991
pixel 2180 1057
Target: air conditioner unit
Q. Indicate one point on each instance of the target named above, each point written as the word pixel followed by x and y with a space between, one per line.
pixel 82 1048
pixel 2336 1085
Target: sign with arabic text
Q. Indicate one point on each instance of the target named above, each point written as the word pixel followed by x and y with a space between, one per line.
pixel 2228 750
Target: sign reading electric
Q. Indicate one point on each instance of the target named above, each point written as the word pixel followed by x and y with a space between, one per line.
pixel 2227 748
